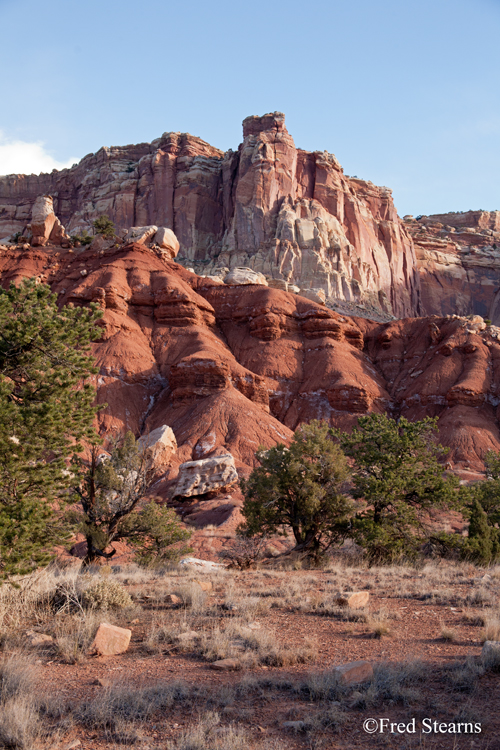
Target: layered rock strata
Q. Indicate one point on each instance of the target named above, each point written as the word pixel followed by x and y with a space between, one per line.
pixel 458 258
pixel 289 214
pixel 230 368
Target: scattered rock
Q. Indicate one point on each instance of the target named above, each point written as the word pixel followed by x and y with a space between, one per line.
pixel 196 563
pixel 205 585
pixel 242 276
pixel 206 475
pixel 161 445
pixel 39 639
pixel 491 648
pixel 354 672
pixel 226 665
pixel 73 745
pixel 173 599
pixel 167 241
pixel 104 682
pixel 354 600
pixel 315 295
pixel 111 640
pixel 186 636
pixel 297 726
pixel 140 235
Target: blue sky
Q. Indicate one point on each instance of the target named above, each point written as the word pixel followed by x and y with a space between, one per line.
pixel 404 93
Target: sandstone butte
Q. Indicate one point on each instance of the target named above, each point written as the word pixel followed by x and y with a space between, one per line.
pixel 232 367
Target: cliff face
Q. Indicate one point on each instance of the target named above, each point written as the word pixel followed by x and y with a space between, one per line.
pixel 290 214
pixel 458 257
pixel 230 368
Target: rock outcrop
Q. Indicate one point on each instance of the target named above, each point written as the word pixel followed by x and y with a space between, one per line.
pixel 288 214
pixel 206 475
pixel 230 368
pixel 458 257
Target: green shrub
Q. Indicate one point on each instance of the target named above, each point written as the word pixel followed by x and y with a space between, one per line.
pixel 106 594
pixel 103 225
pixel 84 238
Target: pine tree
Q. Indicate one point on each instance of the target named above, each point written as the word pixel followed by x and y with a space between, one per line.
pixel 483 543
pixel 46 407
pixel 398 474
pixel 300 489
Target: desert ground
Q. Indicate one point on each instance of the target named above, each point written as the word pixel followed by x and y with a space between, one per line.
pixel 284 633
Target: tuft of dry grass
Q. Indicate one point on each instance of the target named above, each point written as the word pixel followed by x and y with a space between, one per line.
pixel 447 634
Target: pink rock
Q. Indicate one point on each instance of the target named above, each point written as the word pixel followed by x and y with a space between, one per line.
pixel 111 640
pixel 355 671
pixel 354 600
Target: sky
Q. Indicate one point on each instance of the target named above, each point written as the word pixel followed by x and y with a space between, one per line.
pixel 405 94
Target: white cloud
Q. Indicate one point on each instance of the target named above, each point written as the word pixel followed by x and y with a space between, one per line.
pixel 23 157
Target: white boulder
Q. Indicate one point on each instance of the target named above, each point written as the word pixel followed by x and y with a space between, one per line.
pixel 243 275
pixel 206 475
pixel 167 241
pixel 160 444
pixel 315 295
pixel 140 234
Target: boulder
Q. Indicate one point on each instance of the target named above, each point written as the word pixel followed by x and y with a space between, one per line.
pixel 242 276
pixel 205 585
pixel 197 564
pixel 491 649
pixel 297 726
pixel 110 640
pixel 354 672
pixel 160 444
pixel 39 639
pixel 43 219
pixel 167 241
pixel 140 235
pixel 226 665
pixel 315 295
pixel 206 475
pixel 173 599
pixel 353 600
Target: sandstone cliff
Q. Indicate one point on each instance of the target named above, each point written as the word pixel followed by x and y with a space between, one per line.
pixel 458 257
pixel 230 368
pixel 290 214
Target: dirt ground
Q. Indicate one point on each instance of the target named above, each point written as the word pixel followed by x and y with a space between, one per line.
pixel 422 631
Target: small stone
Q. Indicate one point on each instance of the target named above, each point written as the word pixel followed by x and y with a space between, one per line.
pixel 39 639
pixel 297 726
pixel 253 625
pixel 491 648
pixel 188 635
pixel 205 585
pixel 173 599
pixel 353 600
pixel 73 745
pixel 226 665
pixel 111 640
pixel 104 682
pixel 354 672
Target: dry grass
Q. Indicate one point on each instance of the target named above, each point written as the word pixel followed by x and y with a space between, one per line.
pixel 448 635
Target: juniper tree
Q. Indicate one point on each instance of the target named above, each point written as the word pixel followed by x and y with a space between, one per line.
pixel 46 407
pixel 111 495
pixel 301 489
pixel 398 475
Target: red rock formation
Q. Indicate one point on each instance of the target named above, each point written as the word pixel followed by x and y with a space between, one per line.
pixel 290 214
pixel 458 257
pixel 231 368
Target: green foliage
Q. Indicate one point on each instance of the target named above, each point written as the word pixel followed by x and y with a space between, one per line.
pixel 45 406
pixel 483 543
pixel 103 225
pixel 156 534
pixel 84 238
pixel 110 495
pixel 398 475
pixel 300 488
pixel 106 594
